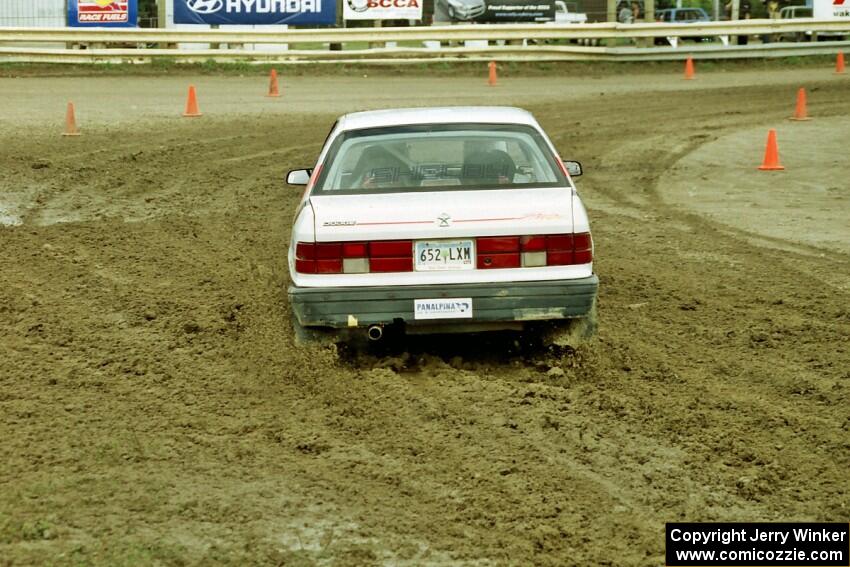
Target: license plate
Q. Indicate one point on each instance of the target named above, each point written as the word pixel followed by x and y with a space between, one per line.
pixel 452 308
pixel 433 255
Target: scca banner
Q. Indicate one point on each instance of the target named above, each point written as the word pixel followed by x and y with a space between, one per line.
pixel 382 9
pixel 254 12
pixel 102 13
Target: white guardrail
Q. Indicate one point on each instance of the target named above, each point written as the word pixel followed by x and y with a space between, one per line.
pixel 505 42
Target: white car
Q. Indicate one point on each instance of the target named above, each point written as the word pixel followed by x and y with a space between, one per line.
pixel 567 13
pixel 433 220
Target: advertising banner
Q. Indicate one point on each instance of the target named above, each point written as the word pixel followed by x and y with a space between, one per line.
pixel 382 9
pixel 828 9
pixel 255 12
pixel 494 11
pixel 102 13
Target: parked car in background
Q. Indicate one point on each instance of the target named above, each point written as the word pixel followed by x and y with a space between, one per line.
pixel 567 13
pixel 681 16
pixel 440 220
pixel 462 10
pixel 800 12
pixel 794 12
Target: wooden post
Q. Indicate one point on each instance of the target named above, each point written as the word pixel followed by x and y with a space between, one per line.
pixel 649 16
pixel 162 18
pixel 376 44
pixel 161 13
pixel 612 17
pixel 736 10
pixel 340 22
pixel 215 45
pixel 68 45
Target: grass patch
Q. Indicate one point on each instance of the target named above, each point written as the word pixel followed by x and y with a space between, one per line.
pixel 125 554
pixel 30 530
pixel 171 66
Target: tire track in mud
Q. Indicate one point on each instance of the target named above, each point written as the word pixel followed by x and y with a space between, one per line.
pixel 657 222
pixel 163 347
pixel 674 145
pixel 158 174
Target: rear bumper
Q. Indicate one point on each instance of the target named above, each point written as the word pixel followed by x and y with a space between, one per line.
pixel 491 302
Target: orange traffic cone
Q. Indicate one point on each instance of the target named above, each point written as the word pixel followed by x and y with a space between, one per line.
pixel 71 122
pixel 771 154
pixel 192 109
pixel 274 91
pixel 839 64
pixel 800 113
pixel 492 79
pixel 689 69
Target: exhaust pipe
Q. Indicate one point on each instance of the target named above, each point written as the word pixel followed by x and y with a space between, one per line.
pixel 375 332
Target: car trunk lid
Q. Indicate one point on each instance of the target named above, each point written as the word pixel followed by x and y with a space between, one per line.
pixel 442 214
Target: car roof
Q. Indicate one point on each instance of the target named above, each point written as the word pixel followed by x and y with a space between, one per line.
pixel 436 115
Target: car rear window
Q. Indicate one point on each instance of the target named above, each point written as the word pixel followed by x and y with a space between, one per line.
pixel 689 15
pixel 438 157
pixel 795 12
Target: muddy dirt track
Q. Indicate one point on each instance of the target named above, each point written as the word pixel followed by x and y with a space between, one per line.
pixel 154 410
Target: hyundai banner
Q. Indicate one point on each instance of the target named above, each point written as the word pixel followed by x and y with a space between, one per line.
pixel 382 9
pixel 255 12
pixel 102 13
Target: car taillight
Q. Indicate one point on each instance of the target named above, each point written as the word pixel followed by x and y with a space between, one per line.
pixel 305 258
pixel 534 251
pixel 397 255
pixel 498 244
pixel 559 249
pixel 505 260
pixel 533 243
pixel 498 252
pixel 354 249
pixel 328 251
pixel 391 256
pixel 391 248
pixel 583 248
pixel 569 249
pixel 322 258
pixel 354 257
pixel 392 264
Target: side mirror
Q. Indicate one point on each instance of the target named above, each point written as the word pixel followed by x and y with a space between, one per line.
pixel 299 176
pixel 573 168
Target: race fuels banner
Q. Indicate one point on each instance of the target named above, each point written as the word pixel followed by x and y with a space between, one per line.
pixel 102 13
pixel 255 12
pixel 382 9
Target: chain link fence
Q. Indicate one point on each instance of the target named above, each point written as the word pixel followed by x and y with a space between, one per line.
pixel 32 13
